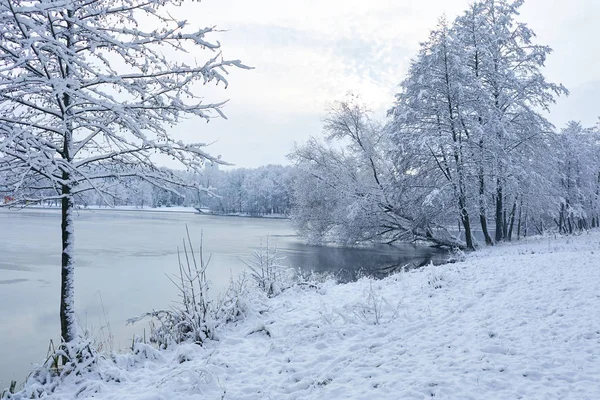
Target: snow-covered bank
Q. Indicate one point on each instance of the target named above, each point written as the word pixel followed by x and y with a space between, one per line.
pixel 175 209
pixel 241 214
pixel 513 321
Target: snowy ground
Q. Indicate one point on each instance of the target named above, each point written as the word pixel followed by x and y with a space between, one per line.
pixel 511 322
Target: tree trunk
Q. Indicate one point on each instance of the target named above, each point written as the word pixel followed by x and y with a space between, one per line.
pixel 519 221
pixel 512 220
pixel 561 217
pixel 482 213
pixel 464 215
pixel 499 208
pixel 468 234
pixel 68 327
pixel 504 225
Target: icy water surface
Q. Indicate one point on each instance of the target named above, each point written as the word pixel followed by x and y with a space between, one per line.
pixel 121 260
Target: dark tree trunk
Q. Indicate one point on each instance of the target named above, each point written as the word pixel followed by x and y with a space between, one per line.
pixel 499 208
pixel 468 234
pixel 464 216
pixel 482 213
pixel 67 311
pixel 512 220
pixel 561 218
pixel 504 225
pixel 519 221
pixel 68 327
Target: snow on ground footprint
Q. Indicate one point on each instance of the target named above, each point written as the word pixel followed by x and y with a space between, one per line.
pixel 514 321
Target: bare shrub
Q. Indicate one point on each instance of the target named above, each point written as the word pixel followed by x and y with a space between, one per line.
pixel 196 317
pixel 374 310
pixel 192 319
pixel 266 269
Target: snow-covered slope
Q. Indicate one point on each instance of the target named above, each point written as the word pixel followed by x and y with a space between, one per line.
pixel 519 321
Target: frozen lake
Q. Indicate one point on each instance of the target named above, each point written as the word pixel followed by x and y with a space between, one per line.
pixel 121 260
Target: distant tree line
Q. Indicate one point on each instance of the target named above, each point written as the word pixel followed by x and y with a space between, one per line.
pixel 254 191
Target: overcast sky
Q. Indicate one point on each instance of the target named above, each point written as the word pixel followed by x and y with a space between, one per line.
pixel 309 53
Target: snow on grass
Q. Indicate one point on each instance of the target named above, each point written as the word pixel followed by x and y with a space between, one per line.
pixel 510 322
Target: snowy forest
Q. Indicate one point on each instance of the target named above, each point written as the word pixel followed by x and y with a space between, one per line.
pixel 467 144
pixel 248 191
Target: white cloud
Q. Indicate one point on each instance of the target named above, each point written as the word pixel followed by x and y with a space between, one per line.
pixel 308 53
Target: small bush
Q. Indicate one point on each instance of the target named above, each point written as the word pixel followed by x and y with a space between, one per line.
pixel 197 317
pixel 435 277
pixel 9 391
pixel 266 269
pixel 234 304
pixel 73 358
pixel 375 310
pixel 456 255
pixel 192 320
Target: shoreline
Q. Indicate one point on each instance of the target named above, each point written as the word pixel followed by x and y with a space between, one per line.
pixel 508 321
pixel 175 209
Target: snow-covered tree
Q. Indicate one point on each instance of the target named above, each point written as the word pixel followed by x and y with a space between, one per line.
pixel 577 177
pixel 429 113
pixel 508 93
pixel 352 188
pixel 472 102
pixel 89 90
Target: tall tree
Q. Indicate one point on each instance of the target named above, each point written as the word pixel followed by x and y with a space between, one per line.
pixel 508 91
pixel 429 114
pixel 472 101
pixel 469 36
pixel 89 90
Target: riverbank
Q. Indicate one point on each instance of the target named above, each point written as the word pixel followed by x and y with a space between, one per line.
pixel 241 214
pixel 514 321
pixel 173 209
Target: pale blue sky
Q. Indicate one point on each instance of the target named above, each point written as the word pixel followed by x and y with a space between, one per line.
pixel 309 53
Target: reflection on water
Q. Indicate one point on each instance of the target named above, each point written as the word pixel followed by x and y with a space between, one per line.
pixel 349 264
pixel 10 281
